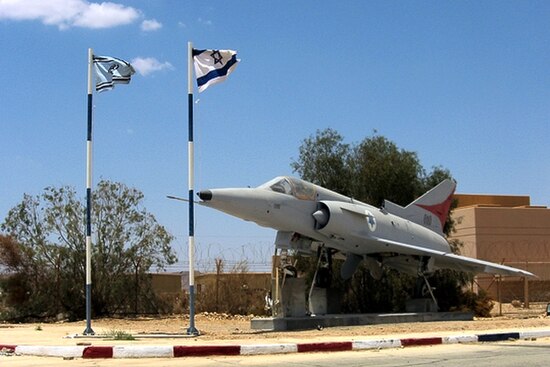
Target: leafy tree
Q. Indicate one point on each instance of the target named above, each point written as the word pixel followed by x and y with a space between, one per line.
pixel 371 171
pixel 45 252
pixel 383 171
pixel 324 160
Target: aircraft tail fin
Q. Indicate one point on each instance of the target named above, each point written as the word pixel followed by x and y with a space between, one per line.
pixel 429 210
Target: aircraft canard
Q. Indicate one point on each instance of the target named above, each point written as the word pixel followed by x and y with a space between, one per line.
pixel 409 239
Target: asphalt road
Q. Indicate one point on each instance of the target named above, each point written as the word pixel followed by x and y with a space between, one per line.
pixel 502 354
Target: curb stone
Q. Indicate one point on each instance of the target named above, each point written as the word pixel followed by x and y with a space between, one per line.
pixel 168 351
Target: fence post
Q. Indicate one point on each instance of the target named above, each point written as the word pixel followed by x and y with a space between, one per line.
pixel 498 295
pixel 526 288
pixel 219 265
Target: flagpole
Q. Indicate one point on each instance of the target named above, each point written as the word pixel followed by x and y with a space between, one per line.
pixel 89 330
pixel 191 178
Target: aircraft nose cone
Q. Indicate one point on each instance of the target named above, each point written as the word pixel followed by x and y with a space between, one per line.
pixel 205 195
pixel 321 216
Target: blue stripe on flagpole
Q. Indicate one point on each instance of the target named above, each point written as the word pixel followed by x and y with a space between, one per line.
pixel 88 211
pixel 89 136
pixel 89 117
pixel 218 72
pixel 89 330
pixel 190 139
pixel 190 116
pixel 191 214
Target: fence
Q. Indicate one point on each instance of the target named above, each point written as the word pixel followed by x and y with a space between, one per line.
pixel 517 296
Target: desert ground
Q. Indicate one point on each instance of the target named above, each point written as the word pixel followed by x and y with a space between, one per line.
pixel 228 328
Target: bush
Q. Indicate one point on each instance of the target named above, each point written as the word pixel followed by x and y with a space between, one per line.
pixel 480 304
pixel 43 255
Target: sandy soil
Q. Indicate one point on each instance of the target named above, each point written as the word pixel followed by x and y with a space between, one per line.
pixel 222 327
pixel 226 328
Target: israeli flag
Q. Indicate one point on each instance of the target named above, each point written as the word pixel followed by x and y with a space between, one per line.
pixel 213 66
pixel 110 71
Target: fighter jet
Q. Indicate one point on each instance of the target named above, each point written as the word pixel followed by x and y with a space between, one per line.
pixel 409 239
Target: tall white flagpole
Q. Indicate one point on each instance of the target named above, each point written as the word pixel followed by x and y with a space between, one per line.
pixel 191 178
pixel 88 330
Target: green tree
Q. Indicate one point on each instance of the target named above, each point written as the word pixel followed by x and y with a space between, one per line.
pixel 49 232
pixel 381 170
pixel 371 171
pixel 324 160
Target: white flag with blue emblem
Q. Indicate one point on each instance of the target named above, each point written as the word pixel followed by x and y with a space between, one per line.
pixel 110 71
pixel 213 66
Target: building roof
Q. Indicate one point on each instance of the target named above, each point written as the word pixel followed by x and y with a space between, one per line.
pixel 499 201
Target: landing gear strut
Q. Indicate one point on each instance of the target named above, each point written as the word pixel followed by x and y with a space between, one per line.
pixel 423 287
pixel 321 282
pixel 323 271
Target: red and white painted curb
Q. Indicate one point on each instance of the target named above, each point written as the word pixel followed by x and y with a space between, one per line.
pixel 169 351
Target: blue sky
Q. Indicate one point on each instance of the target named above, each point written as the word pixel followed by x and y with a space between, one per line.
pixel 465 84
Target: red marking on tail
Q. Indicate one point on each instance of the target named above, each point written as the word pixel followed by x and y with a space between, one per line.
pixel 439 210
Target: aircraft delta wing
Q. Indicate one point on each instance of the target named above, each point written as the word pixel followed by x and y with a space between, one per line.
pixel 408 239
pixel 448 260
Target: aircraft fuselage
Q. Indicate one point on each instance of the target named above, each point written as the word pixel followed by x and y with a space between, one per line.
pixel 348 228
pixel 408 239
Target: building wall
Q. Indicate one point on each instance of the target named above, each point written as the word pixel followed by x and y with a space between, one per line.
pixel 233 293
pixel 251 281
pixel 166 283
pixel 465 230
pixel 505 229
pixel 172 282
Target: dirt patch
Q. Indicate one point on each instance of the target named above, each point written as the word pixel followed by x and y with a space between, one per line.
pixel 225 328
pixel 229 328
pixel 222 326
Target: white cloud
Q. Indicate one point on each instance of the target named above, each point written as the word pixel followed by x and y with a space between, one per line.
pixel 206 22
pixel 148 65
pixel 106 15
pixel 69 13
pixel 150 25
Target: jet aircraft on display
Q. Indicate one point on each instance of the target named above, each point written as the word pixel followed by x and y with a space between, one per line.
pixel 409 239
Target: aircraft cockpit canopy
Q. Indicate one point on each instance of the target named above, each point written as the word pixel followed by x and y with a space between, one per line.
pixel 292 186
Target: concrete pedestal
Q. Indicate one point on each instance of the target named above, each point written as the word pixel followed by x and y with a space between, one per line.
pixel 294 298
pixel 325 301
pixel 313 322
pixel 421 305
pixel 318 301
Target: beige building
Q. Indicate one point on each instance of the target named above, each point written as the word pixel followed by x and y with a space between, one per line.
pixel 506 230
pixel 168 283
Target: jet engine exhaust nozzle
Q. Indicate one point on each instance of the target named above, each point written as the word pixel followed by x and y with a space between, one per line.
pixel 205 195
